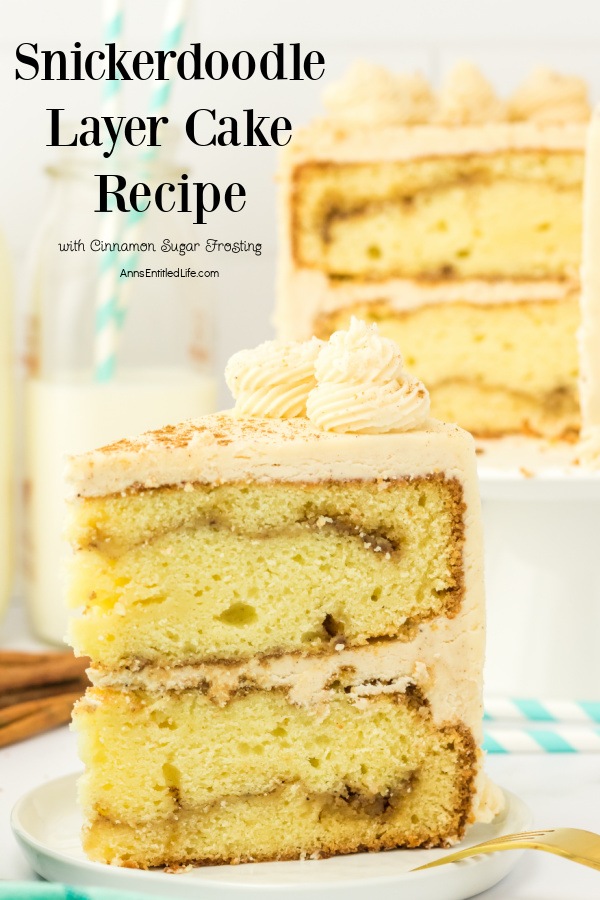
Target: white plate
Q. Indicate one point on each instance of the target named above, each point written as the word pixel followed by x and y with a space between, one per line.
pixel 47 824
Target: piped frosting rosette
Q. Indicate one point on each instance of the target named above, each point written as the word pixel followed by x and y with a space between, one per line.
pixel 355 382
pixel 362 386
pixel 547 96
pixel 370 96
pixel 274 379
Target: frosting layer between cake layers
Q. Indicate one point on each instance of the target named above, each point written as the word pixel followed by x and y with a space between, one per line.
pixel 327 141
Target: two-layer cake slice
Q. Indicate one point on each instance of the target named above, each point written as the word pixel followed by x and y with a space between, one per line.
pixel 286 626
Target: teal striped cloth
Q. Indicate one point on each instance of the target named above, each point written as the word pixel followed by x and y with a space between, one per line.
pixel 42 890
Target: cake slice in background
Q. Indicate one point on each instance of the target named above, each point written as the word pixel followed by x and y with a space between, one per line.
pixel 454 222
pixel 284 609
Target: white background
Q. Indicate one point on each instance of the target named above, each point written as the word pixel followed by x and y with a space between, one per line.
pixel 506 38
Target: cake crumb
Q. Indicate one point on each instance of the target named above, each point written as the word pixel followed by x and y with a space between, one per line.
pixel 177 870
pixel 324 520
pixel 526 473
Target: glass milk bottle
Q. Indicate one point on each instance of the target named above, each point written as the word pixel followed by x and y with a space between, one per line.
pixel 103 362
pixel 6 431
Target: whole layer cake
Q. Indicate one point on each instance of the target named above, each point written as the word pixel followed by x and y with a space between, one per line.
pixel 284 609
pixel 454 222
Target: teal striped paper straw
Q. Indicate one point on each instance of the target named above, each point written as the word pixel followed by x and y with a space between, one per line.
pixel 112 302
pixel 106 323
pixel 532 710
pixel 175 20
pixel 560 739
pixel 112 28
pixel 174 27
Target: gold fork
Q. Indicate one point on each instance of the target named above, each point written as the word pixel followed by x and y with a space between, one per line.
pixel 572 843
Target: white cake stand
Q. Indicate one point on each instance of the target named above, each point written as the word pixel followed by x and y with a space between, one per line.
pixel 541 517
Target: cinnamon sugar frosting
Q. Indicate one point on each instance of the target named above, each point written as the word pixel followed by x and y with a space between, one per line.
pixel 547 96
pixel 362 386
pixel 222 447
pixel 274 379
pixel 355 382
pixel 467 98
pixel 372 95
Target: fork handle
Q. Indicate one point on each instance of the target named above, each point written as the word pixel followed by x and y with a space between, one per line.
pixel 516 844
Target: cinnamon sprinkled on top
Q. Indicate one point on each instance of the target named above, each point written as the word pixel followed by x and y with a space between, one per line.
pixel 221 428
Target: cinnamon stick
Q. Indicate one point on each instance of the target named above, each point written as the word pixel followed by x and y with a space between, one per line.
pixel 56 668
pixel 25 658
pixel 46 690
pixel 24 720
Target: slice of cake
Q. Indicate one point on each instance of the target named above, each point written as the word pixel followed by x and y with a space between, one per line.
pixel 284 609
pixel 454 222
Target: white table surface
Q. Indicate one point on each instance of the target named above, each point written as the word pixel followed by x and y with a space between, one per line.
pixel 562 790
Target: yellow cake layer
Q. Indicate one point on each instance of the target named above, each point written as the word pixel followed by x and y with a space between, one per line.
pixel 220 572
pixel 494 412
pixel 174 778
pixel 512 214
pixel 493 368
